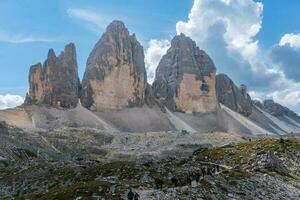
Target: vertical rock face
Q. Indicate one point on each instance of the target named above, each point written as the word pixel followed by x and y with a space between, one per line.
pixel 56 82
pixel 185 78
pixel 233 97
pixel 149 96
pixel 115 75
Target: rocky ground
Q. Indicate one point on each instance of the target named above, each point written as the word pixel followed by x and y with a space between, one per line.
pixel 86 164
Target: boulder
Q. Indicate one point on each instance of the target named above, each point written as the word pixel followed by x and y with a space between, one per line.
pixel 185 78
pixel 56 82
pixel 233 97
pixel 115 75
pixel 268 161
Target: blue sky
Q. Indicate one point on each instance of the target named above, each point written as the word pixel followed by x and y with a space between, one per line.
pixel 28 28
pixel 49 25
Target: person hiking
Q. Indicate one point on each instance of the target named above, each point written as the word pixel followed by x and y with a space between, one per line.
pixel 159 183
pixel 213 170
pixel 198 175
pixel 218 168
pixel 174 181
pixel 130 195
pixel 203 171
pixel 136 196
pixel 194 180
pixel 209 171
pixel 189 179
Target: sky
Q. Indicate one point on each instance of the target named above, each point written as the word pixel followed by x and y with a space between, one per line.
pixel 256 43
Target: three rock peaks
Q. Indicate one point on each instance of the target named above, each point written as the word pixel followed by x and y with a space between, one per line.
pixel 115 78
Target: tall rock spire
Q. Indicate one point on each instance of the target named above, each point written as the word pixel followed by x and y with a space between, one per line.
pixel 185 78
pixel 115 75
pixel 56 82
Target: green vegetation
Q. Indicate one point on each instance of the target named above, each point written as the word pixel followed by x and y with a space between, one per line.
pixel 3 163
pixel 25 153
pixel 240 154
pixel 81 189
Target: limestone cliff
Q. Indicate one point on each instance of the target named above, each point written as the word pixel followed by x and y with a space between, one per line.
pixel 185 78
pixel 56 82
pixel 115 75
pixel 233 97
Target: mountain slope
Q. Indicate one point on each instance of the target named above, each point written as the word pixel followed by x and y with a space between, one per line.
pixel 147 119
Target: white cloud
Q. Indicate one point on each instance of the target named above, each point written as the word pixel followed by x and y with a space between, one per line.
pixel 242 20
pixel 10 101
pixel 155 51
pixel 293 40
pixel 94 19
pixel 286 56
pixel 23 38
pixel 289 97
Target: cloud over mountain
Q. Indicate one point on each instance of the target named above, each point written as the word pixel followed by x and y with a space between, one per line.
pixel 286 54
pixel 95 21
pixel 10 101
pixel 227 31
pixel 241 21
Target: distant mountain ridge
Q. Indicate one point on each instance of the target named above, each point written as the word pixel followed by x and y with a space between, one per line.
pixel 114 94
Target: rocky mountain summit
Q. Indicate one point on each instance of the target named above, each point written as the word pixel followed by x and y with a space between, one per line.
pixel 276 109
pixel 56 82
pixel 230 95
pixel 115 95
pixel 185 78
pixel 115 75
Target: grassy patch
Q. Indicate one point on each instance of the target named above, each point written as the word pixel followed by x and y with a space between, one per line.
pixel 25 153
pixel 241 153
pixel 85 190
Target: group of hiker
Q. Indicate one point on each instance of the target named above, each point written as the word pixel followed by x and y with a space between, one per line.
pixel 198 175
pixel 133 195
pixel 192 179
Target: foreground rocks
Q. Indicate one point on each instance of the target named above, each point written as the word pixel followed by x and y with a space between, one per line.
pixel 233 97
pixel 115 75
pixel 268 161
pixel 56 82
pixel 185 78
pixel 87 176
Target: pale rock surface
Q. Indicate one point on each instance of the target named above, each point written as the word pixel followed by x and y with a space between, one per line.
pixel 185 78
pixel 115 75
pixel 56 82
